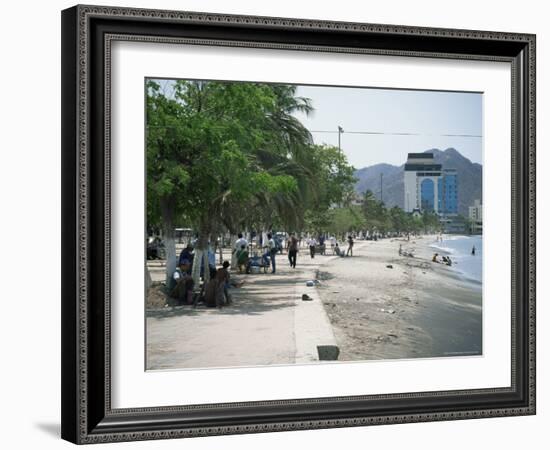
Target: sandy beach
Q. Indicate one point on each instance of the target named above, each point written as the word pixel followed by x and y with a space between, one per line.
pixel 415 308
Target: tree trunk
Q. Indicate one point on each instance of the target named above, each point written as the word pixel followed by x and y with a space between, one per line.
pixel 201 254
pixel 148 280
pixel 232 240
pixel 169 241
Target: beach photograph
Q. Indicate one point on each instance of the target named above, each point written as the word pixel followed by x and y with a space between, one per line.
pixel 302 224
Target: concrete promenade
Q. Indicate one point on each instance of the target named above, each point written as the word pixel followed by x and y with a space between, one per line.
pixel 268 323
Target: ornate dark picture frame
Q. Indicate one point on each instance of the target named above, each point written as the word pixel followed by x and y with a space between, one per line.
pixel 87 33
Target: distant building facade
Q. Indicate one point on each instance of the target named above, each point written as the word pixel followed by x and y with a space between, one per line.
pixel 475 214
pixel 447 187
pixel 429 187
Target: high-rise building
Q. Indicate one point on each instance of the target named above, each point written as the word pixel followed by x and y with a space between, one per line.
pixel 448 192
pixel 422 177
pixel 429 187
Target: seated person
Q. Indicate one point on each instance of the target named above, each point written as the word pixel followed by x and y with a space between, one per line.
pixel 182 283
pixel 337 250
pixel 210 293
pixel 222 277
pixel 215 290
pixel 434 258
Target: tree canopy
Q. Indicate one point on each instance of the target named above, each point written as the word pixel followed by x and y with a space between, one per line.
pixel 226 155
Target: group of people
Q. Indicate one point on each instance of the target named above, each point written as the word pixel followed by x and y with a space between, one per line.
pixel 214 290
pixel 245 262
pixel 320 243
pixel 444 259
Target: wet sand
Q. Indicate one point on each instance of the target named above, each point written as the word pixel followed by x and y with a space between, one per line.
pixel 414 309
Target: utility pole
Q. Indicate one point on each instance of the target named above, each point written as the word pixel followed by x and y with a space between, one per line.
pixel 340 131
pixel 381 197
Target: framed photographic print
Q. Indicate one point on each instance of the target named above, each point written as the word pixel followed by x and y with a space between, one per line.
pixel 279 224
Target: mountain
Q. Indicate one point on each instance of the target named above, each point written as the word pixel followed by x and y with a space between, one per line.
pixel 469 179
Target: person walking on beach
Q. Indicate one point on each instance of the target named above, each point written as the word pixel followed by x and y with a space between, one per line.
pixel 292 250
pixel 474 250
pixel 350 246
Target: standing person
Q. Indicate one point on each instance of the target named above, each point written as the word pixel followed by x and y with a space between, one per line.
pixel 350 246
pixel 474 250
pixel 242 259
pixel 292 250
pixel 272 249
pixel 312 242
pixel 332 243
pixel 236 247
pixel 322 244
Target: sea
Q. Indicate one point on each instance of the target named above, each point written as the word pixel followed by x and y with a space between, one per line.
pixel 459 249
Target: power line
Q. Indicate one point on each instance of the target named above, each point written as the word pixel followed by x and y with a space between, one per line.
pixel 379 133
pixel 396 133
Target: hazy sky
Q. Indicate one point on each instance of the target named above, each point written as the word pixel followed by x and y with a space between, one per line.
pixel 429 115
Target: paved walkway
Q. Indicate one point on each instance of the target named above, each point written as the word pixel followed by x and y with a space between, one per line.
pixel 268 323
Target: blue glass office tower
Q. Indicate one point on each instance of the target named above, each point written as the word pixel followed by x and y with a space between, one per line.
pixel 448 192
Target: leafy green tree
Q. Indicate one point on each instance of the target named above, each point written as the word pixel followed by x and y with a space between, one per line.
pixel 202 155
pixel 430 221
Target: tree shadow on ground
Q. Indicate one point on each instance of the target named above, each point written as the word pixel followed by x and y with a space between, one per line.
pixel 246 303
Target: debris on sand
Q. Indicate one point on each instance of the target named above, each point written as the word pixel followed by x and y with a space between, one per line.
pixel 306 298
pixel 389 266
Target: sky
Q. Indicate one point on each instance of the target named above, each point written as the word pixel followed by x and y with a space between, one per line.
pixel 428 115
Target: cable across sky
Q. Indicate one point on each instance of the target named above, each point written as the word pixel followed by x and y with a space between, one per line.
pixel 387 133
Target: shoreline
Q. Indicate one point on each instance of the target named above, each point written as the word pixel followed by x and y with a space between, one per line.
pixel 415 309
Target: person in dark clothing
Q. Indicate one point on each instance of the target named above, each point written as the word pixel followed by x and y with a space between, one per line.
pixel 186 254
pixel 350 246
pixel 292 250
